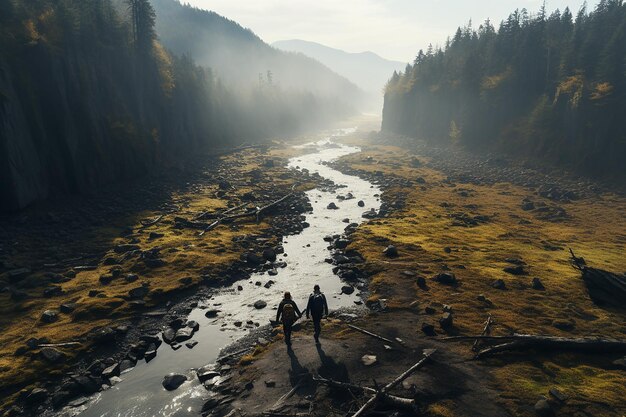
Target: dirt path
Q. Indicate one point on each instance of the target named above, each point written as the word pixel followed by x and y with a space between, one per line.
pixel 448 376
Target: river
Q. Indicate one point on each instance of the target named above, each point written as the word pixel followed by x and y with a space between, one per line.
pixel 140 392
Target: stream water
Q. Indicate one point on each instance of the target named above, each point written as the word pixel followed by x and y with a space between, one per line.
pixel 140 392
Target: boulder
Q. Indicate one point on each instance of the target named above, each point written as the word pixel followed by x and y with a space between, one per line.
pixel 211 313
pixel 537 284
pixel 52 355
pixel 111 371
pixel 369 360
pixel 361 203
pixel 194 325
pixel 49 316
pixel 347 289
pixel 446 320
pixel 260 304
pixel 183 334
pixel 173 381
pixel 169 335
pixel 428 329
pixel 446 278
pixel 269 254
pixel 515 270
pixel 127 364
pixel 125 248
pixel 332 206
pixel 564 324
pixel 67 308
pixel 207 372
pixel 138 292
pixel 36 396
pixel 499 284
pixel 253 259
pixel 390 251
pixel 543 408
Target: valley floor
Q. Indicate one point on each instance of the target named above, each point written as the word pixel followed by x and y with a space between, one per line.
pixel 495 225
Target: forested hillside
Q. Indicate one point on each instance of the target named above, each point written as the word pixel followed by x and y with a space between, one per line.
pixel 545 85
pixel 240 58
pixel 89 95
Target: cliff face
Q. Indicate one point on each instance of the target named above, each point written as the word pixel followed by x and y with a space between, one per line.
pixel 63 129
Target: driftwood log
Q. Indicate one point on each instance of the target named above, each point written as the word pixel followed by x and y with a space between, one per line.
pixel 367 332
pixel 380 394
pixel 253 213
pixel 391 400
pixel 486 332
pixel 529 341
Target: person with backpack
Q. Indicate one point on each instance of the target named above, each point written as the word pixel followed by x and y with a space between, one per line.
pixel 289 311
pixel 317 307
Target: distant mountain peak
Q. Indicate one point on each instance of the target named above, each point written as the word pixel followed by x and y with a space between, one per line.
pixel 367 69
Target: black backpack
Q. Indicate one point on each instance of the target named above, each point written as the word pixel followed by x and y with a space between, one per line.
pixel 317 303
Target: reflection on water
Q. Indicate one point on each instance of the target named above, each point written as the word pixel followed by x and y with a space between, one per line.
pixel 141 394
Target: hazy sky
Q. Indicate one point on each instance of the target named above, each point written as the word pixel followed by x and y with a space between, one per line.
pixel 394 29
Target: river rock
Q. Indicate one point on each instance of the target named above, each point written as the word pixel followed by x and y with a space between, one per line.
pixel 37 396
pixel 211 313
pixel 111 371
pixel 183 334
pixel 361 203
pixel 347 289
pixel 194 325
pixel 253 259
pixel 169 335
pixel 207 372
pixel 260 304
pixel 332 206
pixel 173 381
pixel 269 254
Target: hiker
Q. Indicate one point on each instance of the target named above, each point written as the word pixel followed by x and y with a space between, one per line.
pixel 290 313
pixel 317 308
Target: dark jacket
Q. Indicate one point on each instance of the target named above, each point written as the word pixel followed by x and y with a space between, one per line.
pixel 317 309
pixel 282 304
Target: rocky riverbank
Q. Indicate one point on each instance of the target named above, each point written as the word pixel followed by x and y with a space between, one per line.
pixel 89 284
pixel 456 242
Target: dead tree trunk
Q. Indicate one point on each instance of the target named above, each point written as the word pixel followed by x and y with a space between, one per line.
pixel 529 341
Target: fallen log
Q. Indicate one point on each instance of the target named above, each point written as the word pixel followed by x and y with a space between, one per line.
pixel 379 337
pixel 257 213
pixel 486 332
pixel 148 223
pixel 204 215
pixel 529 341
pixel 66 344
pixel 381 393
pixel 392 400
pixel 232 355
